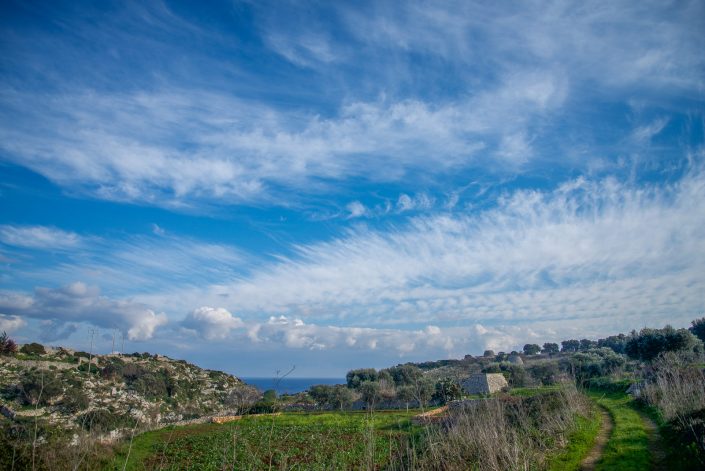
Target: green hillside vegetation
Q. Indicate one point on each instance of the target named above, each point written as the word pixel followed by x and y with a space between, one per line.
pixel 549 417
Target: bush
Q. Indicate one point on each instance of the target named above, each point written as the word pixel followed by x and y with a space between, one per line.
pixel 698 328
pixel 7 345
pixel 75 401
pixel 103 421
pixel 39 387
pixel 33 349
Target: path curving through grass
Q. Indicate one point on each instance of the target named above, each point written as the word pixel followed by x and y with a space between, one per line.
pixel 628 447
pixel 606 425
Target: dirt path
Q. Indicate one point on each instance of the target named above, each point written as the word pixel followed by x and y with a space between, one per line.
pixel 603 436
pixel 658 454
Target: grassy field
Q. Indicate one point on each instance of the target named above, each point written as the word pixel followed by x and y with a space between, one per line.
pixel 628 446
pixel 334 440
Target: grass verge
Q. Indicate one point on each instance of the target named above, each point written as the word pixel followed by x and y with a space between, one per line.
pixel 580 441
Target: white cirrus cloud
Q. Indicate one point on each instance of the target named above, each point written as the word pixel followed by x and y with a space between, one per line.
pixel 39 237
pixel 588 249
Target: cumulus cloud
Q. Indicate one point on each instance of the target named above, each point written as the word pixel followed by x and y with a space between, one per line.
pixel 79 302
pixel 211 323
pixel 39 237
pixel 11 323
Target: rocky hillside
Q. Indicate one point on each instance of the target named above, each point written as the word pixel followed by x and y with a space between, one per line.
pixel 113 392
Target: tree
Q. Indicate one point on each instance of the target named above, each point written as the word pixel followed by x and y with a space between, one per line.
pixel 448 390
pixel 403 374
pixel 616 342
pixel 341 397
pixel 355 378
pixel 370 392
pixel 649 343
pixel 488 353
pixel 698 328
pixel 33 349
pixel 586 344
pixel 7 345
pixel 570 345
pixel 550 348
pixel 531 349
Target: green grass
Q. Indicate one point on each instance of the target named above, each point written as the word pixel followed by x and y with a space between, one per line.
pixel 332 440
pixel 628 446
pixel 529 392
pixel 580 442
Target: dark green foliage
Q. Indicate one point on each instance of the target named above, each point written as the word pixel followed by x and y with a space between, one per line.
pixel 7 345
pixel 595 363
pixel 492 368
pixel 550 348
pixel 370 391
pixel 447 390
pixel 403 375
pixel 488 354
pixel 649 343
pixel 586 344
pixel 33 349
pixel 531 349
pixel 103 420
pixel 686 436
pixel 74 401
pixel 356 377
pixel 516 375
pixel 501 356
pixel 615 342
pixel 545 373
pixel 698 328
pixel 335 397
pixel 570 345
pixel 270 395
pixel 39 387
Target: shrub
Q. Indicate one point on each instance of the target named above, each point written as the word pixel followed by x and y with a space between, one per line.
pixel 698 328
pixel 39 387
pixel 103 420
pixel 75 401
pixel 7 345
pixel 33 349
pixel 447 390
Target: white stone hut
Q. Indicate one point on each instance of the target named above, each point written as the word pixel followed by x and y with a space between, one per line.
pixel 484 383
pixel 515 360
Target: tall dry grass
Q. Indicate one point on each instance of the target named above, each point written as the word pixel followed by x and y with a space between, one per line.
pixel 499 434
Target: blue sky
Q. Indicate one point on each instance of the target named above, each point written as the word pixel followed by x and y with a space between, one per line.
pixel 257 185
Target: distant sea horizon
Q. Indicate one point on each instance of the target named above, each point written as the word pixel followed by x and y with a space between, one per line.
pixel 289 385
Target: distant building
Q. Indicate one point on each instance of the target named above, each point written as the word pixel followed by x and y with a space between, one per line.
pixel 515 360
pixel 484 383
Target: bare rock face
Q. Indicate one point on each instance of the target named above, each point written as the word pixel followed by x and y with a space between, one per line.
pixel 484 383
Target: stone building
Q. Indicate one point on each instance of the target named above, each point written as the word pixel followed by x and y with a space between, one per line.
pixel 484 383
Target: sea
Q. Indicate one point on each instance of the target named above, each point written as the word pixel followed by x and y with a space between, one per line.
pixel 290 385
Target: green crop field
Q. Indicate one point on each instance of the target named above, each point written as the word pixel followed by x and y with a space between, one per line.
pixel 332 440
